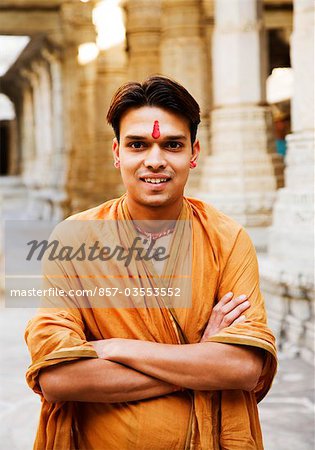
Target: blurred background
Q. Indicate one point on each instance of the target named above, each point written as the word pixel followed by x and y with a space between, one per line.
pixel 250 65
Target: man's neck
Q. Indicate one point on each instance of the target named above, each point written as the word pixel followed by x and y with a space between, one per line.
pixel 146 214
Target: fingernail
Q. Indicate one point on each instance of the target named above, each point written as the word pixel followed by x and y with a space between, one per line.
pixel 246 303
pixel 229 294
pixel 242 318
pixel 242 297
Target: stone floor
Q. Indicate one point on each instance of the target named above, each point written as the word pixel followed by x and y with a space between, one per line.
pixel 19 406
pixel 287 413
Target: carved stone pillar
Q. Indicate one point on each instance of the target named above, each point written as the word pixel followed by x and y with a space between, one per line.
pixel 111 73
pixel 38 140
pixel 27 134
pixel 288 272
pixel 13 125
pixel 58 195
pixel 243 172
pixel 14 157
pixel 81 169
pixel 38 126
pixel 45 143
pixel 184 58
pixel 35 139
pixel 143 37
pixel 79 103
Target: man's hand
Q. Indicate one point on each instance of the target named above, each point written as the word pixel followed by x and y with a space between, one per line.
pixel 228 311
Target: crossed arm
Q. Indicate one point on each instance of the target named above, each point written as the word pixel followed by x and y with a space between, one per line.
pixel 129 370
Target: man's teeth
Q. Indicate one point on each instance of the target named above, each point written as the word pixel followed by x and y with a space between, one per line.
pixel 155 180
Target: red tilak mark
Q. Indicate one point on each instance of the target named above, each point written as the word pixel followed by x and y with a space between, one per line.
pixel 156 130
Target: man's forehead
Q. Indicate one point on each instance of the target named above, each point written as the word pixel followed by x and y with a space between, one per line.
pixel 143 120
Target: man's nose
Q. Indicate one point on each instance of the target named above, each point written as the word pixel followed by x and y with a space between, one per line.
pixel 155 158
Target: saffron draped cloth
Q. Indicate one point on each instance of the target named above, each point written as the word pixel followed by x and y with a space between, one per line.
pixel 223 260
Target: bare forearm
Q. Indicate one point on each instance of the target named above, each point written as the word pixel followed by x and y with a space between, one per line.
pixel 97 380
pixel 202 366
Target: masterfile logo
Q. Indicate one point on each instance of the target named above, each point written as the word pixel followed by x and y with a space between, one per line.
pixel 98 264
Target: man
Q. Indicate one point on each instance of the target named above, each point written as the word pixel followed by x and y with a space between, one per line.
pixel 159 376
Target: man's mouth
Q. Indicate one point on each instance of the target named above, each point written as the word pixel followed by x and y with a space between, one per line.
pixel 155 180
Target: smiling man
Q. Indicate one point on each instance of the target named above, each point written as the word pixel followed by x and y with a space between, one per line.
pixel 156 375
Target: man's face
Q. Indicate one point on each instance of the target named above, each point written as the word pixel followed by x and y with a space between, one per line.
pixel 155 151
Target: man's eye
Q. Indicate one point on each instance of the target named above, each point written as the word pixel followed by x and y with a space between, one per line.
pixel 173 145
pixel 137 145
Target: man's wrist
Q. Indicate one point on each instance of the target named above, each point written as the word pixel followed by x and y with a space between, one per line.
pixel 115 349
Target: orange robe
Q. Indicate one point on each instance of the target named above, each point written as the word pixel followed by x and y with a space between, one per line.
pixel 223 259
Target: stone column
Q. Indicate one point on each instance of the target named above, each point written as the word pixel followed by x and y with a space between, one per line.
pixel 38 126
pixel 12 125
pixel 111 73
pixel 14 157
pixel 27 134
pixel 79 103
pixel 37 174
pixel 207 8
pixel 83 185
pixel 32 152
pixel 44 121
pixel 60 165
pixel 143 37
pixel 45 161
pixel 184 58
pixel 288 272
pixel 244 171
pixel 38 77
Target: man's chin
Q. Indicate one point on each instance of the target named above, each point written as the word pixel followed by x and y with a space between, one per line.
pixel 155 200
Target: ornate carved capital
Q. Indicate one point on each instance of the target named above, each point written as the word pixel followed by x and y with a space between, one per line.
pixel 77 22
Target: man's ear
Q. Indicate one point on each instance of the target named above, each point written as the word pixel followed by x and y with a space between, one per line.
pixel 195 150
pixel 115 150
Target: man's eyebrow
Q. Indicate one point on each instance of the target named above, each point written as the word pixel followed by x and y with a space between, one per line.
pixel 175 137
pixel 135 137
pixel 165 138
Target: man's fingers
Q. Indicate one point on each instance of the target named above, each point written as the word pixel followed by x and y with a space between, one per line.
pixel 225 312
pixel 225 299
pixel 239 320
pixel 233 303
pixel 236 313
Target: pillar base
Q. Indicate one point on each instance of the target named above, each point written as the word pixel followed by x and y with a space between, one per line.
pixel 290 307
pixel 291 241
pixel 47 204
pixel 288 272
pixel 13 196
